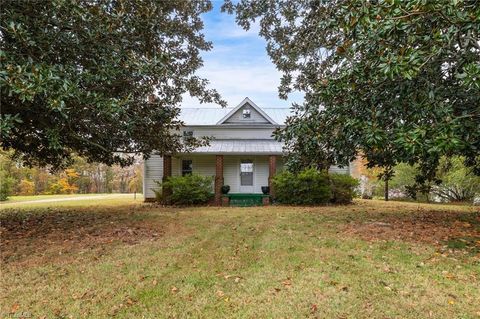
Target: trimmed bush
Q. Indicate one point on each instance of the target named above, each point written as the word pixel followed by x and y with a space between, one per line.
pixel 343 188
pixel 191 189
pixel 309 187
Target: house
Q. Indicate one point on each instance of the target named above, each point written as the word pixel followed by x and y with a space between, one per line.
pixel 242 153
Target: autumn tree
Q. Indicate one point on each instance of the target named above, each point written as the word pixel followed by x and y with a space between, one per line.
pixel 98 78
pixel 398 81
pixel 26 187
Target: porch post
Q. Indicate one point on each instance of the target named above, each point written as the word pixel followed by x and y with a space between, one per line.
pixel 167 172
pixel 218 179
pixel 272 169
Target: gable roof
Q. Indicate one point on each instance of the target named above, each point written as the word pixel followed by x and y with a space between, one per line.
pixel 243 103
pixel 210 116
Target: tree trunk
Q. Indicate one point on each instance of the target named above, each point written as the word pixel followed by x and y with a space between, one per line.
pixel 386 190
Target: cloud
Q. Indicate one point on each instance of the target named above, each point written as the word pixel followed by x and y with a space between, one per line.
pixel 257 81
pixel 238 65
pixel 221 26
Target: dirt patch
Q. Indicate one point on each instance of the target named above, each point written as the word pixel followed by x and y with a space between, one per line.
pixel 460 230
pixel 42 235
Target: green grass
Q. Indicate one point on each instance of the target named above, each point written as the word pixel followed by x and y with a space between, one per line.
pixel 87 203
pixel 133 260
pixel 24 203
pixel 16 199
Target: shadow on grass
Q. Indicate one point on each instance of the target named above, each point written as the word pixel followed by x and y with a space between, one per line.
pixel 52 231
pixel 451 230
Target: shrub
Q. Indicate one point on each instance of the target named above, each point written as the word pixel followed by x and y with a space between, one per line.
pixel 458 182
pixel 343 188
pixel 309 187
pixel 187 190
pixel 6 183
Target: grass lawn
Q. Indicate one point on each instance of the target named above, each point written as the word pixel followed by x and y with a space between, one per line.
pixel 131 260
pixel 16 199
pixel 74 200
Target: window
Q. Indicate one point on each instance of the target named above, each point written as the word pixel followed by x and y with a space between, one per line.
pixel 187 135
pixel 246 173
pixel 246 113
pixel 187 167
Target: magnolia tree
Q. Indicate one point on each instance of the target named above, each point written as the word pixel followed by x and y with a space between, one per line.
pixel 397 81
pixel 76 76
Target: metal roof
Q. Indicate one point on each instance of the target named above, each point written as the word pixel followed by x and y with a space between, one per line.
pixel 259 147
pixel 211 116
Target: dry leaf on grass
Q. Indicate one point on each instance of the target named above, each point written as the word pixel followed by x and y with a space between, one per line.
pixel 14 308
pixel 287 282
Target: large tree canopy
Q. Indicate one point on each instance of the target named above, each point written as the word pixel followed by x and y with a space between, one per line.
pixel 396 80
pixel 76 76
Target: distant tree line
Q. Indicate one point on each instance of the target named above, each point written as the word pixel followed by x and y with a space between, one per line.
pixel 453 182
pixel 81 177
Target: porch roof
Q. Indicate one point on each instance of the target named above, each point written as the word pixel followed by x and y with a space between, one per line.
pixel 239 147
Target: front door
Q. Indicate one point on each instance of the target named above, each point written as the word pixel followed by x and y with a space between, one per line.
pixel 246 176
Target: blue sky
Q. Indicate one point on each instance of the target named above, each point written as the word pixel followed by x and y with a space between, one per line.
pixel 238 65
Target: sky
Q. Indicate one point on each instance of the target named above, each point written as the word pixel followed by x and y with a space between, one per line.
pixel 238 65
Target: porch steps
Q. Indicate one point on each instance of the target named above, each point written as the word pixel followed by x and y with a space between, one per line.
pixel 246 200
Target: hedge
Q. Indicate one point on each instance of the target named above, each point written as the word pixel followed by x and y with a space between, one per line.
pixel 343 188
pixel 313 187
pixel 191 189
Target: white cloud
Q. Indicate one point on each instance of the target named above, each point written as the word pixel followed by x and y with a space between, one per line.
pixel 224 27
pixel 234 82
pixel 238 65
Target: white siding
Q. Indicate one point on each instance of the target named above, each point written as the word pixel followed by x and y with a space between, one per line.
pixel 201 164
pixel 176 166
pixel 153 171
pixel 261 173
pixel 231 172
pixel 232 133
pixel 255 116
pixel 336 169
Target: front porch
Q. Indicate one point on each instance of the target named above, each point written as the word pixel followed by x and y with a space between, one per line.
pixel 245 174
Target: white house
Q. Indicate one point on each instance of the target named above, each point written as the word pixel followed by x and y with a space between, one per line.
pixel 242 154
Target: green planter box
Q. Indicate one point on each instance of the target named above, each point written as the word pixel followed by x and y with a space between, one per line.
pixel 246 200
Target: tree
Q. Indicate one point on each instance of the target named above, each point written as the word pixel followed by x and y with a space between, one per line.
pixel 41 178
pixel 458 183
pixel 453 182
pixel 398 81
pixel 135 184
pixel 66 183
pixel 6 184
pixel 7 181
pixel 405 180
pixel 109 180
pixel 76 76
pixel 26 187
